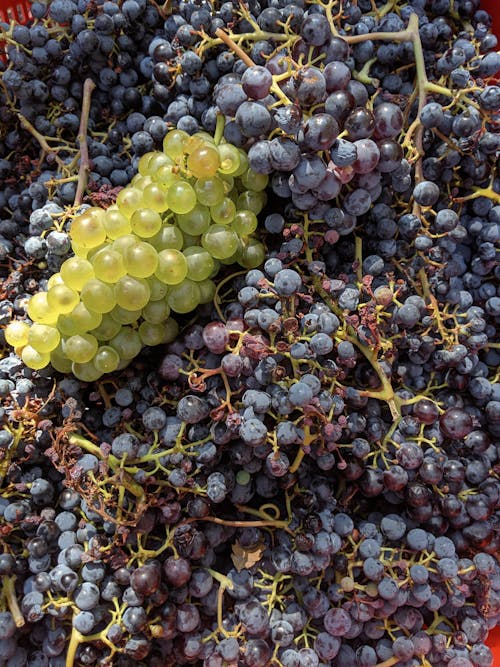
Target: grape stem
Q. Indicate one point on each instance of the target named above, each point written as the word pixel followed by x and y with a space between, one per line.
pixel 9 592
pixel 84 170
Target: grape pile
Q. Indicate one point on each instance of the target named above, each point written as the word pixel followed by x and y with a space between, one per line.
pixel 156 250
pixel 250 400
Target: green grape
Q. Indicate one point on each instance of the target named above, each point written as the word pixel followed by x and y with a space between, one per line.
pixel 190 240
pixel 62 299
pixel 87 230
pixel 80 320
pixel 80 348
pixel 220 241
pixel 169 236
pixel 229 159
pixel 207 291
pixel 59 361
pixel 181 197
pixel 155 198
pixel 43 338
pixel 151 334
pixel 158 289
pixel 196 222
pixel 172 266
pixel 107 328
pixel 204 161
pixel 79 251
pixel 124 316
pixel 98 296
pixel 158 160
pixel 252 254
pixel 39 309
pixel 210 191
pixel 143 164
pixel 223 213
pixel 229 186
pixel 124 242
pixel 132 293
pixel 185 297
pixel 251 180
pixel 108 265
pixel 85 372
pixel 16 333
pixel 244 223
pixel 34 359
pixel 75 272
pixel 55 279
pixel 106 359
pixel 116 224
pixel 173 144
pixel 127 343
pixel 67 326
pixel 140 182
pixel 129 200
pixel 156 312
pixel 200 263
pixel 166 176
pixel 171 330
pixel 145 222
pixel 243 166
pixel 140 260
pixel 251 201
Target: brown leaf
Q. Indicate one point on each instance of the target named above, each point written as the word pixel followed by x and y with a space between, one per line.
pixel 244 558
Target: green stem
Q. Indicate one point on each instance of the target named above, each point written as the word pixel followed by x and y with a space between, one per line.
pixel 219 128
pixel 11 597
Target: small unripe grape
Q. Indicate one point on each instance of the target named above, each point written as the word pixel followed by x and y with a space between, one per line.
pixel 75 272
pixel 16 333
pixel 204 161
pixel 185 297
pixel 87 230
pixel 196 222
pixel 116 224
pixel 244 223
pixel 34 359
pixel 223 213
pixel 108 265
pixel 98 296
pixel 210 191
pixel 127 343
pixel 85 372
pixel 106 359
pixel 200 263
pixel 125 316
pixel 229 159
pixel 174 143
pixel 129 200
pixel 80 348
pixel 62 299
pixel 132 293
pixel 107 328
pixel 152 334
pixel 155 198
pixel 43 338
pixel 169 236
pixel 181 197
pixel 145 222
pixel 220 241
pixel 172 266
pixel 156 311
pixel 140 260
pixel 39 309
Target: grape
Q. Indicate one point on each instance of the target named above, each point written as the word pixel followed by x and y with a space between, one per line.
pixel 223 213
pixel 145 222
pixel 200 263
pixel 129 200
pixel 126 342
pixel 43 338
pixel 140 260
pixel 172 267
pixel 132 293
pixel 181 197
pixel 152 334
pixel 98 296
pixel 220 242
pixel 209 191
pixel 106 359
pixel 62 299
pixel 107 265
pixel 174 143
pixel 204 161
pixel 75 272
pixel 155 198
pixel 80 348
pixel 87 229
pixel 17 333
pixel 156 311
pixel 116 224
pixel 169 236
pixel 34 359
pixel 184 297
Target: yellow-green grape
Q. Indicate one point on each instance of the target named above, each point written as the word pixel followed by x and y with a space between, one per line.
pixel 140 182
pixel 220 241
pixel 108 265
pixel 207 291
pixel 55 279
pixel 166 176
pixel 174 143
pixel 116 223
pixel 127 343
pixel 39 309
pixel 190 241
pixel 172 266
pixel 125 316
pixel 243 166
pixel 59 361
pixel 155 198
pixel 185 297
pixel 229 187
pixel 194 143
pixel 204 161
pixel 200 263
pixel 106 359
pixel 251 180
pixel 34 359
pixel 158 160
pixel 124 242
pixel 67 326
pixel 171 330
pixel 85 372
pixel 251 201
pixel 156 312
pixel 16 333
pixel 80 348
pixel 87 230
pixel 107 328
pixel 132 293
pixel 181 197
pixel 98 296
pixel 79 251
pixel 210 191
pixel 142 165
pixel 196 222
pixel 145 222
pixel 252 254
pixel 129 200
pixel 169 236
pixel 43 338
pixel 62 299
pixel 244 223
pixel 229 159
pixel 157 288
pixel 223 213
pixel 151 334
pixel 80 320
pixel 76 271
pixel 140 260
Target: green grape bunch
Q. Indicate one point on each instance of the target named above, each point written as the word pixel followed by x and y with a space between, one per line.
pixel 190 209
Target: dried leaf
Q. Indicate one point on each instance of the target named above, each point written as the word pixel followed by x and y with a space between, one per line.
pixel 243 558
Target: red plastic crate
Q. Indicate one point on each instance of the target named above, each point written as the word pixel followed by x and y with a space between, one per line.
pixel 15 11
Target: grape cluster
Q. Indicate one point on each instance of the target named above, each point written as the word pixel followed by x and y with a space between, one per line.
pixel 154 251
